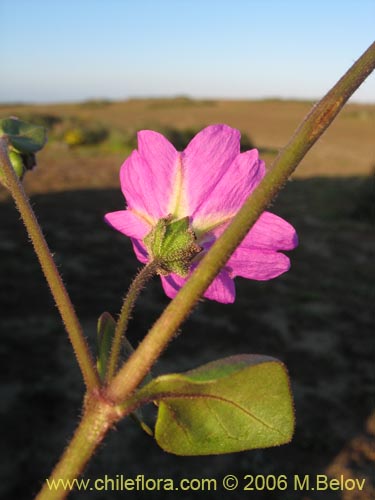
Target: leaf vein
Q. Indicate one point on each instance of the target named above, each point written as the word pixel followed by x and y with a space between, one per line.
pixel 212 396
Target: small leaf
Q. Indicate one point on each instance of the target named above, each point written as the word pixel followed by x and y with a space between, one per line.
pixel 106 332
pixel 23 137
pixel 138 418
pixel 234 404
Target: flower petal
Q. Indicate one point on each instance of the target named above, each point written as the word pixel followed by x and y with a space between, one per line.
pixel 137 186
pixel 257 264
pixel 271 232
pixel 205 160
pixel 221 289
pixel 139 250
pixel 171 284
pixel 128 223
pixel 148 175
pixel 237 182
pixel 164 163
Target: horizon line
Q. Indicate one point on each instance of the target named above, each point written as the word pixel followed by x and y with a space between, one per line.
pixel 109 100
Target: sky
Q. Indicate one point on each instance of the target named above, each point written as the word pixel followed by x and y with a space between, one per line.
pixel 74 50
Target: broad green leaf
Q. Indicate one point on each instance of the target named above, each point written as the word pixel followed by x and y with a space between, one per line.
pixel 23 137
pixel 234 404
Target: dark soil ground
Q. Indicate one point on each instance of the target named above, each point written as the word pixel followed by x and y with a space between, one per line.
pixel 318 319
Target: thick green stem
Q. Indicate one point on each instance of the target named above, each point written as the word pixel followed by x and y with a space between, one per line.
pixel 134 290
pixel 305 136
pixel 50 271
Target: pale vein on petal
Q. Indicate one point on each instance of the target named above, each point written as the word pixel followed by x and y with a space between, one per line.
pixel 177 204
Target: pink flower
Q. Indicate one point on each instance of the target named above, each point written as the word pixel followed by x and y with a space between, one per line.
pixel 208 182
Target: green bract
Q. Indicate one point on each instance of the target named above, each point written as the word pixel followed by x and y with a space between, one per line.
pixel 173 244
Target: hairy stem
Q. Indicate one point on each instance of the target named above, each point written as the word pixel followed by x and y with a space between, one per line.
pixel 312 127
pixel 98 417
pixel 134 290
pixel 50 271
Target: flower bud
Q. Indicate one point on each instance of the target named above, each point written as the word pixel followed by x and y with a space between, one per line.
pixel 17 163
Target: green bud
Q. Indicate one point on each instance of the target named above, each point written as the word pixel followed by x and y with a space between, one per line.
pixel 173 244
pixel 17 163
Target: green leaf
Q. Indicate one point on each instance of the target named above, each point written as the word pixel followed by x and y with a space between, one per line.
pixel 106 332
pixel 234 404
pixel 23 137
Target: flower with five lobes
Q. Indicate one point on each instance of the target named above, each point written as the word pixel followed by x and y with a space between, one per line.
pixel 178 204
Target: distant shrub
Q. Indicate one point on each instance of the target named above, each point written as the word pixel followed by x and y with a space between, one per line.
pixel 246 143
pixel 42 119
pixel 130 139
pixel 360 114
pixel 180 138
pixel 178 102
pixel 77 133
pixel 84 135
pixel 96 103
pixel 74 137
pixel 120 141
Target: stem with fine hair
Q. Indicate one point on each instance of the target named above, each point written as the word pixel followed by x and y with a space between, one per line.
pixel 134 290
pixel 58 290
pixel 97 419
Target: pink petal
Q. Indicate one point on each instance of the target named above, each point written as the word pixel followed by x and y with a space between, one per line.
pixel 164 164
pixel 271 232
pixel 171 284
pixel 140 250
pixel 205 161
pixel 148 175
pixel 128 223
pixel 256 264
pixel 137 186
pixel 237 182
pixel 221 289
